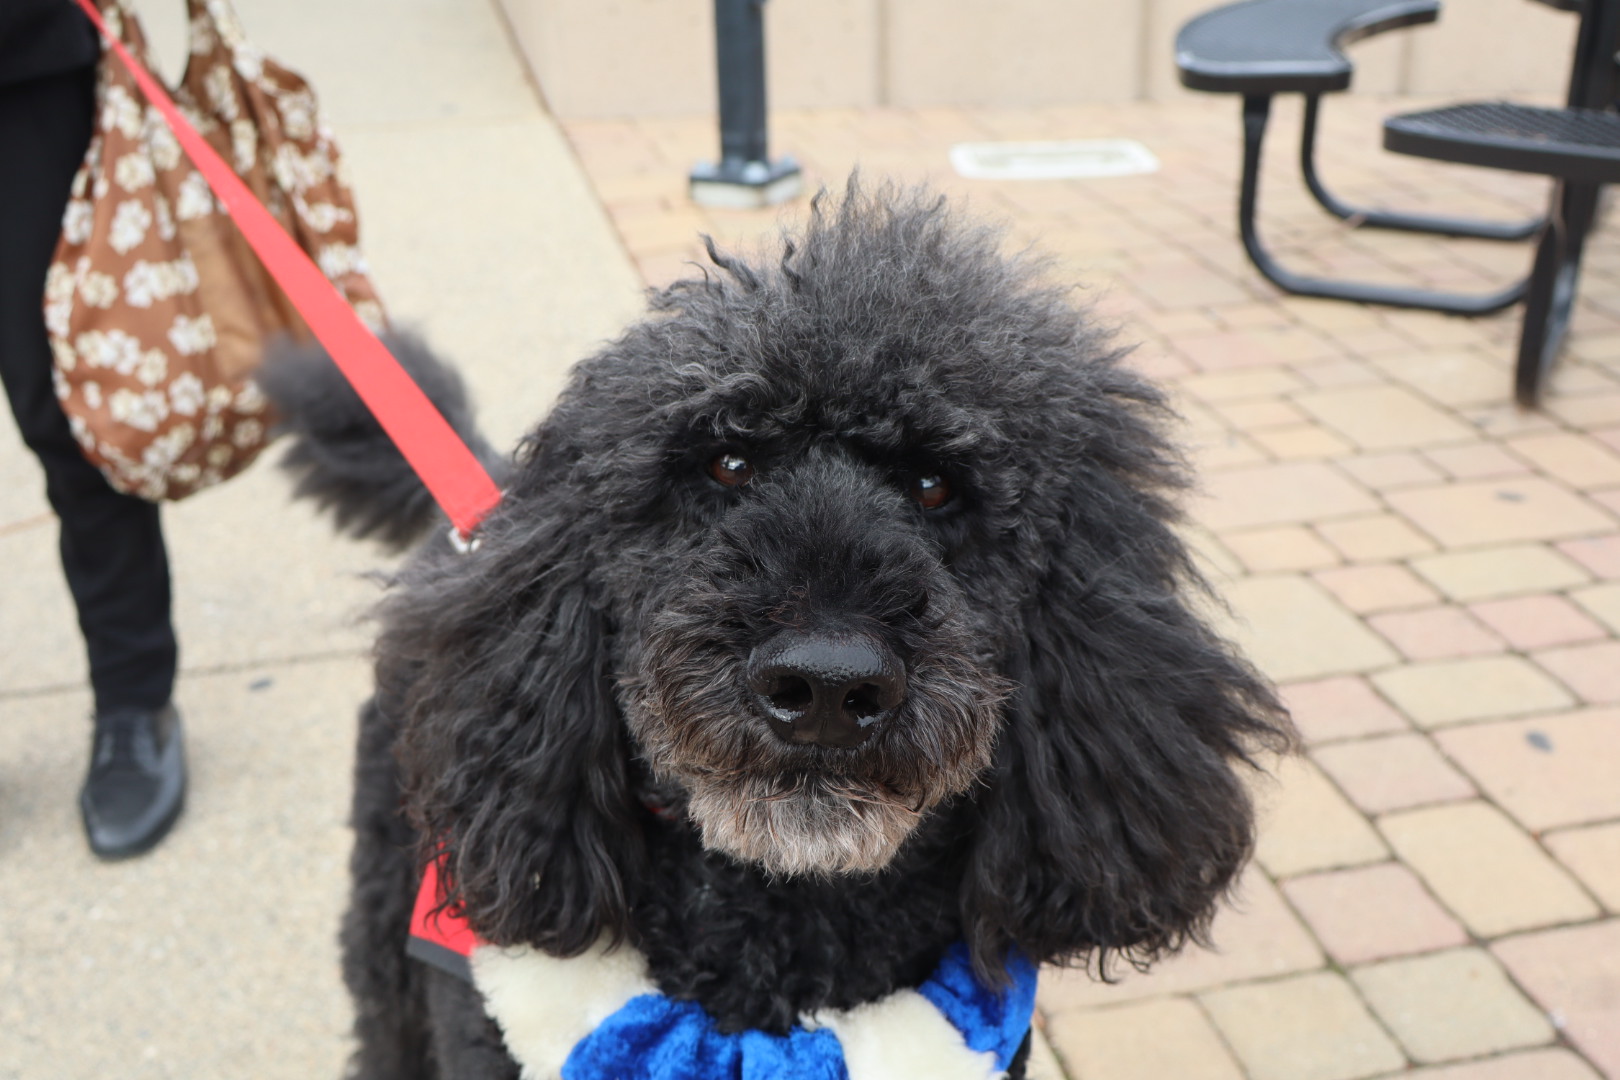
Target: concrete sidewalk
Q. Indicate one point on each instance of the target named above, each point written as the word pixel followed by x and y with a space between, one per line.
pixel 215 956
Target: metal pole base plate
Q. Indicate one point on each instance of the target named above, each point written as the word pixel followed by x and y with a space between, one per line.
pixel 740 185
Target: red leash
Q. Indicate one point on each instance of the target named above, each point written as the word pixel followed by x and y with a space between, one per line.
pixel 460 485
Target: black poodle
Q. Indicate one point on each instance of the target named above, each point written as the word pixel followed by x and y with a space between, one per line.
pixel 831 645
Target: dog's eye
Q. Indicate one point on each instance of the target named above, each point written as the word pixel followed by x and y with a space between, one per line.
pixel 931 491
pixel 731 469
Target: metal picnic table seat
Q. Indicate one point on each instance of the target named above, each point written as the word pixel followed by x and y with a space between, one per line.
pixel 1578 145
pixel 1258 48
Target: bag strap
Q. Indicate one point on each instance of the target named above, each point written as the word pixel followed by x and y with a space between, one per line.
pixel 448 468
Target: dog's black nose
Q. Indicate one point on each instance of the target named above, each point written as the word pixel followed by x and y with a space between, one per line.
pixel 830 689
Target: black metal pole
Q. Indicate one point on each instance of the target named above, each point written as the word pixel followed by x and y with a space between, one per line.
pixel 739 33
pixel 744 176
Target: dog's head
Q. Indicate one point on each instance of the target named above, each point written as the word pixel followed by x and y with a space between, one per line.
pixel 820 546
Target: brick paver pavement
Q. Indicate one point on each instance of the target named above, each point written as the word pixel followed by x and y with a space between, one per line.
pixel 1431 574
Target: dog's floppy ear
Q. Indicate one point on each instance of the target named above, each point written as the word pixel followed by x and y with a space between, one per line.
pixel 513 754
pixel 1115 818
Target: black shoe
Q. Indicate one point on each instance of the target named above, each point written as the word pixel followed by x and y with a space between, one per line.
pixel 137 780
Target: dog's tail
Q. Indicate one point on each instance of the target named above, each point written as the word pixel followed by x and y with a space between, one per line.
pixel 340 454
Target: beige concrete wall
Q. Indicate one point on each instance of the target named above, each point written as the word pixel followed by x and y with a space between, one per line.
pixel 1024 52
pixel 656 57
pixel 617 57
pixel 1492 47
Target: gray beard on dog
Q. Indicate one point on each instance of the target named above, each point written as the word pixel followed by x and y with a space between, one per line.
pixel 807 827
pixel 797 818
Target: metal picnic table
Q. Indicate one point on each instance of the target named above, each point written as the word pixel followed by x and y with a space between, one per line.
pixel 1261 47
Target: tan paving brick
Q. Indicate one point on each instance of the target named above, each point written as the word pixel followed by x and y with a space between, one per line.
pixel 1498 511
pixel 1307 825
pixel 1253 414
pixel 1372 913
pixel 1449 377
pixel 1574 974
pixel 1528 1065
pixel 1246 315
pixel 1393 772
pixel 1451 1005
pixel 1577 460
pixel 1504 421
pixel 648 234
pixel 1603 602
pixel 1238 385
pixel 1592 854
pixel 1176 322
pixel 1301 442
pixel 1453 377
pixel 1196 287
pixel 1587 410
pixel 1434 329
pixel 1374 343
pixel 1608 498
pixel 1476 461
pixel 1537 622
pixel 1599 554
pixel 1475 688
pixel 637 188
pixel 1285 547
pixel 1388 471
pixel 1385 587
pixel 1592 671
pixel 1375 538
pixel 1595 347
pixel 1198 421
pixel 1384 417
pixel 1548 771
pixel 1215 560
pixel 1283 494
pixel 1343 707
pixel 664 268
pixel 1157 364
pixel 1294 344
pixel 1309 1027
pixel 1346 372
pixel 1293 629
pixel 1256 936
pixel 1484 869
pixel 1586 384
pixel 1227 450
pixel 1436 633
pixel 1169 1038
pixel 1512 570
pixel 1332 316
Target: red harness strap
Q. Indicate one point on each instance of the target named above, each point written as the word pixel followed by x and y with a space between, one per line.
pixel 443 939
pixel 446 466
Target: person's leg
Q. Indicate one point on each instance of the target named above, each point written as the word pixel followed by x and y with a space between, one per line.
pixel 111 544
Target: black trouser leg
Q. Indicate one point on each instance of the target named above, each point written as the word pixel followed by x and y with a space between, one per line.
pixel 111 543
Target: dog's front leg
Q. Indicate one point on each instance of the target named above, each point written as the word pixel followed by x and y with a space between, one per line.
pixel 466 1043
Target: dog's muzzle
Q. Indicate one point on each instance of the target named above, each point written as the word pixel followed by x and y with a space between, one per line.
pixel 825 689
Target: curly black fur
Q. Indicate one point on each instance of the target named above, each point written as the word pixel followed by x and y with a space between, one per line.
pixel 1062 775
pixel 340 454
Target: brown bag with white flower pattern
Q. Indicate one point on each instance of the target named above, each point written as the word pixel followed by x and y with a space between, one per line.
pixel 158 311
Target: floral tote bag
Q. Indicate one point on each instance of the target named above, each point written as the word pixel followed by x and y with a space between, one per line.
pixel 157 310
